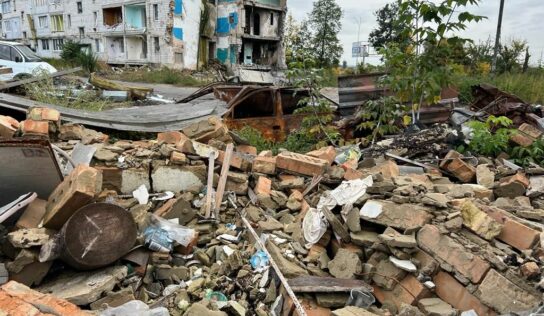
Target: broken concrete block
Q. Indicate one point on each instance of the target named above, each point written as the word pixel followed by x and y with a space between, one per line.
pixel 18 299
pixel 326 153
pixel 453 253
pixel 504 296
pixel 177 178
pixel 270 224
pixel 133 178
pixel 479 222
pixel 77 190
pixel 114 299
pixel 85 287
pixel 386 274
pixel 33 214
pixel 400 216
pixel 485 177
pixel 178 158
pixel 172 137
pixel 198 309
pixel 32 274
pixel 8 126
pixel 513 186
pixel 30 237
pixel 301 164
pixel 457 295
pixel 530 270
pixel 364 238
pixel 205 130
pixel 352 311
pixel 247 149
pixel 288 268
pixel 237 183
pixel 392 238
pixel 263 186
pixel 436 307
pixel 345 265
pixel 409 291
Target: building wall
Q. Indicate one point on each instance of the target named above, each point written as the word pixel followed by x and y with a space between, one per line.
pixel 165 32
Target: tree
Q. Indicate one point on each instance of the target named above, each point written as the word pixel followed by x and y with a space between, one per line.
pixel 389 29
pixel 419 71
pixel 325 21
pixel 296 40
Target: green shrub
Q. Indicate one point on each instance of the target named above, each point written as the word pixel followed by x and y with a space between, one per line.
pixel 71 51
pixel 490 138
pixel 88 61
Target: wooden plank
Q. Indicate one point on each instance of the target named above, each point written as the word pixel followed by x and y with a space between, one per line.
pixel 315 284
pixel 223 178
pixel 209 190
pixel 35 79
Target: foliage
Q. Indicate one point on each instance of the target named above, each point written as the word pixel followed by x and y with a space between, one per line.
pixel 317 124
pixel 296 39
pixel 46 91
pixel 525 156
pixel 380 116
pixel 70 51
pixel 511 56
pixel 75 56
pixel 389 30
pixel 418 71
pixel 490 138
pixel 88 61
pixel 298 141
pixel 326 22
pixel 163 75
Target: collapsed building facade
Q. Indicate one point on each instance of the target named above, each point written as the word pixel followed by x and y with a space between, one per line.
pixel 183 34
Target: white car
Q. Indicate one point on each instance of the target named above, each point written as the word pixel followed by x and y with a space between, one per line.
pixel 22 60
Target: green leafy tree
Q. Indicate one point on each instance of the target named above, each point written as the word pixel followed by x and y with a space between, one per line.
pixel 389 29
pixel 490 138
pixel 511 56
pixel 419 70
pixel 325 21
pixel 296 40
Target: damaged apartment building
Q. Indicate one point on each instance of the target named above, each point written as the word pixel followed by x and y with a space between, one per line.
pixel 183 34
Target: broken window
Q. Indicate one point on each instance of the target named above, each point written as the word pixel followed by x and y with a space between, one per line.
pixel 45 44
pixel 95 18
pixel 135 16
pixel 24 35
pixel 79 7
pixel 156 12
pixel 97 44
pixel 42 22
pixel 81 32
pixel 272 18
pixel 112 16
pixel 57 23
pixel 6 7
pixel 69 18
pixel 178 58
pixel 156 44
pixel 58 44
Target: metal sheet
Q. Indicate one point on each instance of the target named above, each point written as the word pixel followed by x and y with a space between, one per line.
pixel 27 166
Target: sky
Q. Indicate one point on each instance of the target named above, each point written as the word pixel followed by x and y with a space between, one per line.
pixel 523 19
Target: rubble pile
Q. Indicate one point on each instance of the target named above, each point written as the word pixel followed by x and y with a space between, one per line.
pixel 350 234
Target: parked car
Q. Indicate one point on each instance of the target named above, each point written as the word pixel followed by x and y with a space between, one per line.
pixel 22 60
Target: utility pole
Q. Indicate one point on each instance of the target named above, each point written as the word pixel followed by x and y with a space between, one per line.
pixel 360 21
pixel 498 38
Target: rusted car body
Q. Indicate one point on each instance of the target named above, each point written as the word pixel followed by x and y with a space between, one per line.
pixel 265 108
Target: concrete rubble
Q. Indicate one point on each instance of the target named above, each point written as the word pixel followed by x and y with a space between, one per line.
pixel 463 238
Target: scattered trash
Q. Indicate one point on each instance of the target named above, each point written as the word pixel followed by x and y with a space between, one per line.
pixel 259 260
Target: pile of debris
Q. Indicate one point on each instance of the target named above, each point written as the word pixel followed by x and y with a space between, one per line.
pixel 190 223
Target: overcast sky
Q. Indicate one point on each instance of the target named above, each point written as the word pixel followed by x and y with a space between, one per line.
pixel 522 19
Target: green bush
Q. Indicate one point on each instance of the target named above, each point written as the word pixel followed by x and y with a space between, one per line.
pixel 88 61
pixel 71 51
pixel 490 138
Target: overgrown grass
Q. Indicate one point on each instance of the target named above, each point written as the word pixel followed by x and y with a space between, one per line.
pixel 160 75
pixel 528 86
pixel 296 142
pixel 46 91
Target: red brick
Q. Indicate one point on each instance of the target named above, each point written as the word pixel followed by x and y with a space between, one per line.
pixel 462 170
pixel 455 294
pixel 187 250
pixel 453 253
pixel 325 153
pixel 522 140
pixel 513 233
pixel 76 191
pixel 171 137
pixel 263 186
pixel 35 127
pixel 8 126
pixel 33 214
pixel 111 178
pixel 301 164
pixel 350 164
pixel 452 154
pixel 44 114
pixel 19 300
pixel 247 149
pixel 389 169
pixel 266 165
pixel 266 153
pixel 178 158
pixel 237 161
pixel 518 177
pixel 409 291
pixel 352 174
pixel 530 130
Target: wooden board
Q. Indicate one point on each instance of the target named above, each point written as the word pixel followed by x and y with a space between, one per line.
pixel 313 284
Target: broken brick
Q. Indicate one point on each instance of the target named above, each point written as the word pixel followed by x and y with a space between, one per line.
pixel 31 127
pixel 43 114
pixel 263 186
pixel 408 291
pixel 76 191
pixel 247 149
pixel 301 164
pixel 325 153
pixel 266 165
pixel 171 137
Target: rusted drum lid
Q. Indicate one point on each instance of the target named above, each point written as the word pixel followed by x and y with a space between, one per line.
pixel 97 235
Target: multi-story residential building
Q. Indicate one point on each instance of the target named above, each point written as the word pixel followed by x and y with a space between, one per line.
pixel 174 33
